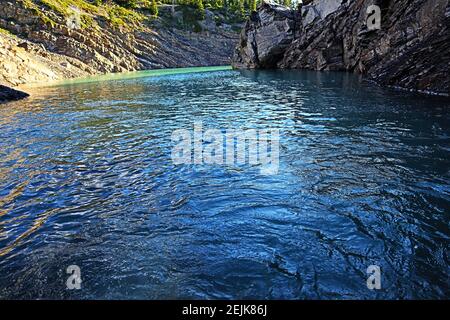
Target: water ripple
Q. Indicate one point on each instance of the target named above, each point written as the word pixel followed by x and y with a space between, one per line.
pixel 86 178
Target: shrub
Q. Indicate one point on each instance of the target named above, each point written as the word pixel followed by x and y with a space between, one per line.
pixel 153 8
pixel 130 4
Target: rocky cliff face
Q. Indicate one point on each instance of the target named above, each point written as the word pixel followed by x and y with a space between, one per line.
pixel 411 50
pixel 266 36
pixel 39 44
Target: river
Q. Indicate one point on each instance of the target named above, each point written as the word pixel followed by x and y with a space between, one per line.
pixel 87 179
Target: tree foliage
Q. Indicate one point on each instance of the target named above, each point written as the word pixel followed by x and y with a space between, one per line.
pixel 239 9
pixel 153 8
pixel 129 4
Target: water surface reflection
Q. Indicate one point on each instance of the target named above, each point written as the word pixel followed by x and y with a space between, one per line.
pixel 86 178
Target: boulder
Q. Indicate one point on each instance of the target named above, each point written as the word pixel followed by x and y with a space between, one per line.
pixel 8 94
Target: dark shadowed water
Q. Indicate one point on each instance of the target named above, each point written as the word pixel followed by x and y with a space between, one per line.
pixel 86 179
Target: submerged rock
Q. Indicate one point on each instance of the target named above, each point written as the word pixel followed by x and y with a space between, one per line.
pixel 8 94
pixel 411 50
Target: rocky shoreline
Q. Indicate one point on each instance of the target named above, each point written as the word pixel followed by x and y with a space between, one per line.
pixel 410 51
pixel 37 44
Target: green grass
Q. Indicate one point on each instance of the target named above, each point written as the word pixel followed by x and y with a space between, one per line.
pixel 29 4
pixel 64 7
pixel 116 15
pixel 3 31
pixel 92 12
pixel 122 17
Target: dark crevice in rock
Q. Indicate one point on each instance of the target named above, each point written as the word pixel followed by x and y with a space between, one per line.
pixel 265 37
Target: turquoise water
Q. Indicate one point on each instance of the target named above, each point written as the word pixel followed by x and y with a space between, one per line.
pixel 86 179
pixel 130 75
